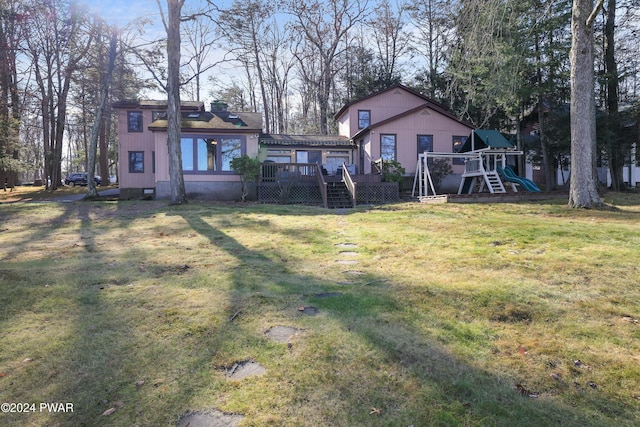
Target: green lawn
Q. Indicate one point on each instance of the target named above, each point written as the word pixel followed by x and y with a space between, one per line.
pixel 450 314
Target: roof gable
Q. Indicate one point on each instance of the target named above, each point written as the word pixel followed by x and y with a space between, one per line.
pixel 423 109
pixel 396 87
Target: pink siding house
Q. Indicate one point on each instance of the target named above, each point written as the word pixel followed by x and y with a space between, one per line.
pixel 394 124
pixel 397 124
pixel 209 140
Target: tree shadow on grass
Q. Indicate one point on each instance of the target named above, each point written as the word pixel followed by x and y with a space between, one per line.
pixel 120 333
pixel 77 326
pixel 436 388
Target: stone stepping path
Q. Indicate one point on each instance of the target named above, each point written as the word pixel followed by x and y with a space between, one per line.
pixel 211 418
pixel 249 368
pixel 281 334
pixel 347 253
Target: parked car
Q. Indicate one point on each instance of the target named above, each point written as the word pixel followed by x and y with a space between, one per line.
pixel 80 178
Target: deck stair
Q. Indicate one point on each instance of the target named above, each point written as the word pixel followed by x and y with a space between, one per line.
pixel 338 196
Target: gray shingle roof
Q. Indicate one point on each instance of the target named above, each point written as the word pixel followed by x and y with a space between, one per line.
pixel 307 140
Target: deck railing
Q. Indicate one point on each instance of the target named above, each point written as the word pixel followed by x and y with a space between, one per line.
pixel 377 166
pixel 273 172
pixel 351 185
pixel 295 183
pixel 323 186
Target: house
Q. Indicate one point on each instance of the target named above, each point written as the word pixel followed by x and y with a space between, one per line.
pixel 399 123
pixel 209 140
pixel 396 124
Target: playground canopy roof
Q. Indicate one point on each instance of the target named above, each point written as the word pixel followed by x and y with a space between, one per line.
pixel 485 139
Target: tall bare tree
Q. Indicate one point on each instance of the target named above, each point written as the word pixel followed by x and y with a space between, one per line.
pixel 583 192
pixel 58 37
pixel 323 27
pixel 391 40
pixel 10 104
pixel 171 22
pixel 200 35
pixel 278 64
pixel 616 145
pixel 243 24
pixel 432 19
pixel 98 124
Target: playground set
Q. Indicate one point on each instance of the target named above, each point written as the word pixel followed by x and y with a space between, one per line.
pixel 485 157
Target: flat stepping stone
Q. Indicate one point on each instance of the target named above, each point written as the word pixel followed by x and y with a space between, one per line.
pixel 354 272
pixel 328 294
pixel 349 253
pixel 281 334
pixel 346 261
pixel 245 369
pixel 308 310
pixel 349 283
pixel 346 245
pixel 211 418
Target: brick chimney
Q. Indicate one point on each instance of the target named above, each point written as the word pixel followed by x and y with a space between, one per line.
pixel 218 106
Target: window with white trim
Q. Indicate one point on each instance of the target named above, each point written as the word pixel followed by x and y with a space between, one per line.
pixel 388 146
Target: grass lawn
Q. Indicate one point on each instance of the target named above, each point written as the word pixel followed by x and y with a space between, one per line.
pixel 137 313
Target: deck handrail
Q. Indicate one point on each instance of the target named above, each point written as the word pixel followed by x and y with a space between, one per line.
pixel 378 166
pixel 349 183
pixel 270 171
pixel 323 185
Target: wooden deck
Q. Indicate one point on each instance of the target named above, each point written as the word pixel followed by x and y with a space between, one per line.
pixel 296 183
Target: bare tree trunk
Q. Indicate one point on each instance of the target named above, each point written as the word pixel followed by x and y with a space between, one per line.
pixel 615 149
pixel 583 192
pixel 176 178
pixel 549 170
pixel 103 143
pixel 98 123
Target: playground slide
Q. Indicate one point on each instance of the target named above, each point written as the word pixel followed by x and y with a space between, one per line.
pixel 510 176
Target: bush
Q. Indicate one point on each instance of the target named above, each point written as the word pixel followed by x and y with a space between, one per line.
pixel 249 170
pixel 438 170
pixel 392 171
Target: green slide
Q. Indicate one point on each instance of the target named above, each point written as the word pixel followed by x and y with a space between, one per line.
pixel 509 175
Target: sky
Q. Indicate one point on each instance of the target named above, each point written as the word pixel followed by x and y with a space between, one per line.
pixel 121 12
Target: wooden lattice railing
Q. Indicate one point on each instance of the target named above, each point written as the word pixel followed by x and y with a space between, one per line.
pixel 304 183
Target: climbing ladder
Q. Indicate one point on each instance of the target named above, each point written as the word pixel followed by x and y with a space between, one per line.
pixel 479 180
pixel 494 183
